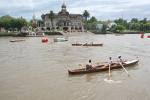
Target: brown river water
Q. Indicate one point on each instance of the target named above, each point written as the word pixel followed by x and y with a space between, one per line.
pixel 31 70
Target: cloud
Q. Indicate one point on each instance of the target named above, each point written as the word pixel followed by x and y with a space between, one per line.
pixel 102 9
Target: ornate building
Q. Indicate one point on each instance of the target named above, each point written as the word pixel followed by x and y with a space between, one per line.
pixel 63 21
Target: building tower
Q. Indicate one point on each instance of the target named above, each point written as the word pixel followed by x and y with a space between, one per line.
pixel 34 22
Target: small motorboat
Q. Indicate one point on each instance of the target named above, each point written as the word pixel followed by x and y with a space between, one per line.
pixel 18 40
pixel 60 39
pixel 35 34
pixel 103 67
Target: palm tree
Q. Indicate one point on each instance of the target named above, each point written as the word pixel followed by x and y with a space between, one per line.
pixel 86 15
pixel 52 16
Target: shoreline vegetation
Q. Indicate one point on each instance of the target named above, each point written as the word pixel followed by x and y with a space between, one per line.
pixel 2 34
pixel 11 26
pixel 16 34
pixel 130 32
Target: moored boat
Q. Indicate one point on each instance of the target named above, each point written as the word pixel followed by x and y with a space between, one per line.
pixel 35 34
pixel 103 67
pixel 60 39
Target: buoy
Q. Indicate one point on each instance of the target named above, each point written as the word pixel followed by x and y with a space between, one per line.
pixel 45 40
pixel 148 36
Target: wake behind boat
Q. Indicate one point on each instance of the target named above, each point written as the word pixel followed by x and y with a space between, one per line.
pixel 103 67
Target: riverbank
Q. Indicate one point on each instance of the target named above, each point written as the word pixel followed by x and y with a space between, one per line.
pixel 2 34
pixel 96 32
pixel 17 34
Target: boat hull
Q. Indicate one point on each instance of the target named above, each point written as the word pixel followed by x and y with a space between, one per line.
pixel 60 39
pixel 102 68
pixel 87 44
pixel 16 40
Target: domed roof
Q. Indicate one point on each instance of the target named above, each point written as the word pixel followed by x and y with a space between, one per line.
pixel 63 6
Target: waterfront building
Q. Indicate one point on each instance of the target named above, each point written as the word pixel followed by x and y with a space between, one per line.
pixel 2 29
pixel 63 21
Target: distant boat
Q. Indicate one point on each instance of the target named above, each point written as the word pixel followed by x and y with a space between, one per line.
pixel 18 40
pixel 86 44
pixel 35 34
pixel 60 39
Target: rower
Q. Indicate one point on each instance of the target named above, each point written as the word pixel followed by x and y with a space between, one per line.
pixel 120 60
pixel 89 66
pixel 110 58
pixel 110 63
pixel 90 62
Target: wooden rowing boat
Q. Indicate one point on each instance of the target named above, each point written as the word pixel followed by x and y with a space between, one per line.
pixel 78 44
pixel 17 40
pixel 103 67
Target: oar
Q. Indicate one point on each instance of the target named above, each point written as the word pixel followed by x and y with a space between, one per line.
pixel 109 72
pixel 124 68
pixel 109 67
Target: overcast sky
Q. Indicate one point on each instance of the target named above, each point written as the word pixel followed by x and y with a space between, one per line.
pixel 102 9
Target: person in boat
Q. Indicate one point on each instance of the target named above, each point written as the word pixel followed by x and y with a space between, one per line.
pixel 120 60
pixel 89 66
pixel 110 58
pixel 85 44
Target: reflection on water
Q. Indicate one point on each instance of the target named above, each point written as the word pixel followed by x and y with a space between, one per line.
pixel 31 70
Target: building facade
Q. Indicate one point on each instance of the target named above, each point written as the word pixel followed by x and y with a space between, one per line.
pixel 63 21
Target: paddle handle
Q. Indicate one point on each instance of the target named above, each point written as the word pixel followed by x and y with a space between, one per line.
pixel 109 71
pixel 124 68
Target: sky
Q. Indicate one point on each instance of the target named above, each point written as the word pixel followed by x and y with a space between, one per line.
pixel 101 9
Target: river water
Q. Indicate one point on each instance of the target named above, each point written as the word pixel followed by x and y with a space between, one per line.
pixel 31 70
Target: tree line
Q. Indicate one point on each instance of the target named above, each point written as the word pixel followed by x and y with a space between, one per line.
pixel 12 23
pixel 133 25
pixel 90 23
pixel 121 24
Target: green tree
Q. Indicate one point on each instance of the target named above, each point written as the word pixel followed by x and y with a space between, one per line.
pixel 144 21
pixel 92 23
pixel 118 28
pixel 104 28
pixel 9 22
pixel 134 20
pixel 92 20
pixel 6 21
pixel 86 15
pixel 20 22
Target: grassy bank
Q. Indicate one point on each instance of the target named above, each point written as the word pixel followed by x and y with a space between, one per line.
pixel 108 32
pixel 8 34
